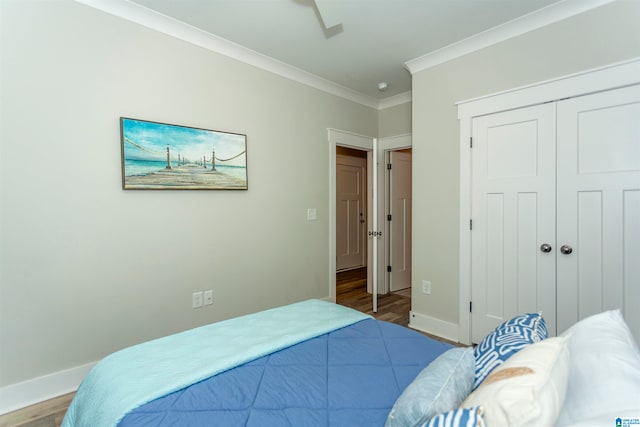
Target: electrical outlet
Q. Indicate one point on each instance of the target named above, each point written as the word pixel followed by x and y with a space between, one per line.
pixel 426 287
pixel 196 299
pixel 208 297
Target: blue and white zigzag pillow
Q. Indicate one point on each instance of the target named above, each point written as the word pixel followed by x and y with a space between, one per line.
pixel 461 417
pixel 506 340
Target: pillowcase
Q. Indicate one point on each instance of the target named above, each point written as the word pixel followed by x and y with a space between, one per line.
pixel 604 376
pixel 460 417
pixel 440 387
pixel 528 389
pixel 506 340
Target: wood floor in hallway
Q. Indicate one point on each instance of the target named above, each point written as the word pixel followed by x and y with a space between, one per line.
pixel 351 291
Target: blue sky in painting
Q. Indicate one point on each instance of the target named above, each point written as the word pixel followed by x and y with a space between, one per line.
pixel 189 142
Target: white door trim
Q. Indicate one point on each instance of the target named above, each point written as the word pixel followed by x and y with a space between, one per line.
pixel 591 81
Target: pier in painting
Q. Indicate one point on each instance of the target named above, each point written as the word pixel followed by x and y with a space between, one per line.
pixel 185 176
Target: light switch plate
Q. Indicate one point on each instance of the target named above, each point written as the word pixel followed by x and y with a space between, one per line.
pixel 196 299
pixel 426 287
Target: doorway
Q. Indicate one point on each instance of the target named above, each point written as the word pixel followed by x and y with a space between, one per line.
pixel 375 216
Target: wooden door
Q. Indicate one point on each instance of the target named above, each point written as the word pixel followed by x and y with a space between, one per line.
pixel 400 224
pixel 513 215
pixel 599 206
pixel 350 212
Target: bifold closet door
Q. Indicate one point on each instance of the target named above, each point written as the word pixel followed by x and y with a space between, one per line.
pixel 598 263
pixel 513 212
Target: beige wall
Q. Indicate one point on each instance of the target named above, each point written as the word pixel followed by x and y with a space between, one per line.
pixel 599 37
pixel 87 268
pixel 394 121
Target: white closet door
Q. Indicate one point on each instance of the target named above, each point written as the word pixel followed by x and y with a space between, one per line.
pixel 599 206
pixel 513 212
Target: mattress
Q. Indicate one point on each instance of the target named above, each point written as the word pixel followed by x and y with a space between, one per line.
pixel 349 377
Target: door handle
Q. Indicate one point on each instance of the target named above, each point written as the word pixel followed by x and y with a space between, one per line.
pixel 545 247
pixel 566 249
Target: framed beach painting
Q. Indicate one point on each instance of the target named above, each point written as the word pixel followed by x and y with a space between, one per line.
pixel 161 156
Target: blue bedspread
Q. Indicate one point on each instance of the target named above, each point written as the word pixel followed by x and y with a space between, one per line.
pixel 136 375
pixel 348 377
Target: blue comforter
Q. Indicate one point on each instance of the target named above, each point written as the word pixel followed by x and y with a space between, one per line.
pixel 350 377
pixel 136 375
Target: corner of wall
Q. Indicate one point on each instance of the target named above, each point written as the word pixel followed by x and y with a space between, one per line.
pixel 434 326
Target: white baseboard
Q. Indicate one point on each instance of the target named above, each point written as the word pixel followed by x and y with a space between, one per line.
pixel 434 326
pixel 36 390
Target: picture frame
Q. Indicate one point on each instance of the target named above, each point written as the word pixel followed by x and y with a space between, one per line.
pixel 163 156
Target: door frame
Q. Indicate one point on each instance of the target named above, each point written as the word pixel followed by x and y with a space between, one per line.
pixel 595 80
pixel 335 138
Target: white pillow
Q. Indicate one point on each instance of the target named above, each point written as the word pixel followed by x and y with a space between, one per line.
pixel 604 376
pixel 528 389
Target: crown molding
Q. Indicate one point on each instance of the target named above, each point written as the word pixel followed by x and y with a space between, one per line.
pixel 156 21
pixel 392 101
pixel 547 15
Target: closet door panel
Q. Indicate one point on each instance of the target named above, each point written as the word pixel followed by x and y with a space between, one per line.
pixel 598 181
pixel 513 211
pixel 590 256
pixel 631 260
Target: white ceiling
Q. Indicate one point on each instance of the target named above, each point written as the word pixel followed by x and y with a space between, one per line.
pixel 372 45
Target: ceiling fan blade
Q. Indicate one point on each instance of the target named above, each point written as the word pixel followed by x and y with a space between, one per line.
pixel 330 12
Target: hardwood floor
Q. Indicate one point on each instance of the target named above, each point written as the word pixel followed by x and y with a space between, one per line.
pixel 45 414
pixel 351 291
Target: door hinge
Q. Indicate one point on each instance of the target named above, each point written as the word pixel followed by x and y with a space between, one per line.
pixel 470 142
pixel 470 224
pixel 388 269
pixel 470 306
pixel 388 166
pixel 389 217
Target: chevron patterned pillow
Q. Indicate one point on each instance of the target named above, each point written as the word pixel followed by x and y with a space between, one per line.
pixel 461 417
pixel 506 340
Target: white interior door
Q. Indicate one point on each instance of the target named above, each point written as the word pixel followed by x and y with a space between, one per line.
pixel 599 206
pixel 513 214
pixel 350 212
pixel 400 223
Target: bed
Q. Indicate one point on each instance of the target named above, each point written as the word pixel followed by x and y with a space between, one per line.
pixel 315 363
pixel 311 363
